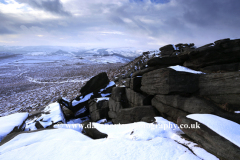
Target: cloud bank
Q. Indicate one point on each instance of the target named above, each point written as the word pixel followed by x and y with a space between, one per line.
pixel 117 23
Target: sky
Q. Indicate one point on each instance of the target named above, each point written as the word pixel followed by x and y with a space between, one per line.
pixel 117 23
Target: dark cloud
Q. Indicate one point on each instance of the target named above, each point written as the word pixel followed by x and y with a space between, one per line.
pixel 137 23
pixel 153 1
pixel 53 6
pixel 211 13
pixel 4 30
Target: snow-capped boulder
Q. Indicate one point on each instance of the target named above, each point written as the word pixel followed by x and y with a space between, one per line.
pixel 215 134
pixel 166 81
pixel 96 83
pixel 11 123
pixel 80 105
pixel 46 117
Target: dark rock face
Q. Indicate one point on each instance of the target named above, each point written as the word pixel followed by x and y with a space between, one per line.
pixel 168 47
pixel 184 50
pixel 148 119
pixel 210 140
pixel 114 105
pixel 168 112
pixel 127 82
pixel 135 84
pixel 222 68
pixel 130 115
pixel 137 99
pixel 221 88
pixel 90 131
pixel 190 105
pixel 164 61
pixel 38 125
pixel 98 110
pixel 224 51
pixel 118 93
pixel 68 113
pixel 96 83
pixel 80 105
pixel 167 50
pixel 112 114
pixel 222 41
pixel 146 70
pixel 166 81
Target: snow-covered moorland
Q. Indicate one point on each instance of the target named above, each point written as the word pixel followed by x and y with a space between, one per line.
pixel 30 81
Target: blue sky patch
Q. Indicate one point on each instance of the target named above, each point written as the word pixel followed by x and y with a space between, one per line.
pixel 4 2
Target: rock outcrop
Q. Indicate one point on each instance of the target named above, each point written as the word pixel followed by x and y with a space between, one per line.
pixel 45 117
pixel 167 81
pixel 94 84
pixel 98 109
pixel 135 114
pixel 90 131
pixel 209 140
pixel 151 86
pixel 224 51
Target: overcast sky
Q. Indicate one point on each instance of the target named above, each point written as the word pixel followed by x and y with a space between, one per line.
pixel 117 23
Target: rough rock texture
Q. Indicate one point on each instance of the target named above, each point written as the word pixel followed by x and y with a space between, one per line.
pixel 210 140
pixel 117 101
pixel 184 50
pixel 98 110
pixel 80 105
pixel 168 112
pixel 114 105
pixel 112 114
pixel 192 105
pixel 222 68
pixel 224 51
pixel 221 88
pixel 99 81
pixel 148 119
pixel 137 99
pixel 135 84
pixel 127 82
pixel 166 81
pixel 130 115
pixel 146 70
pixel 118 93
pixel 165 61
pixel 90 131
pixel 67 113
